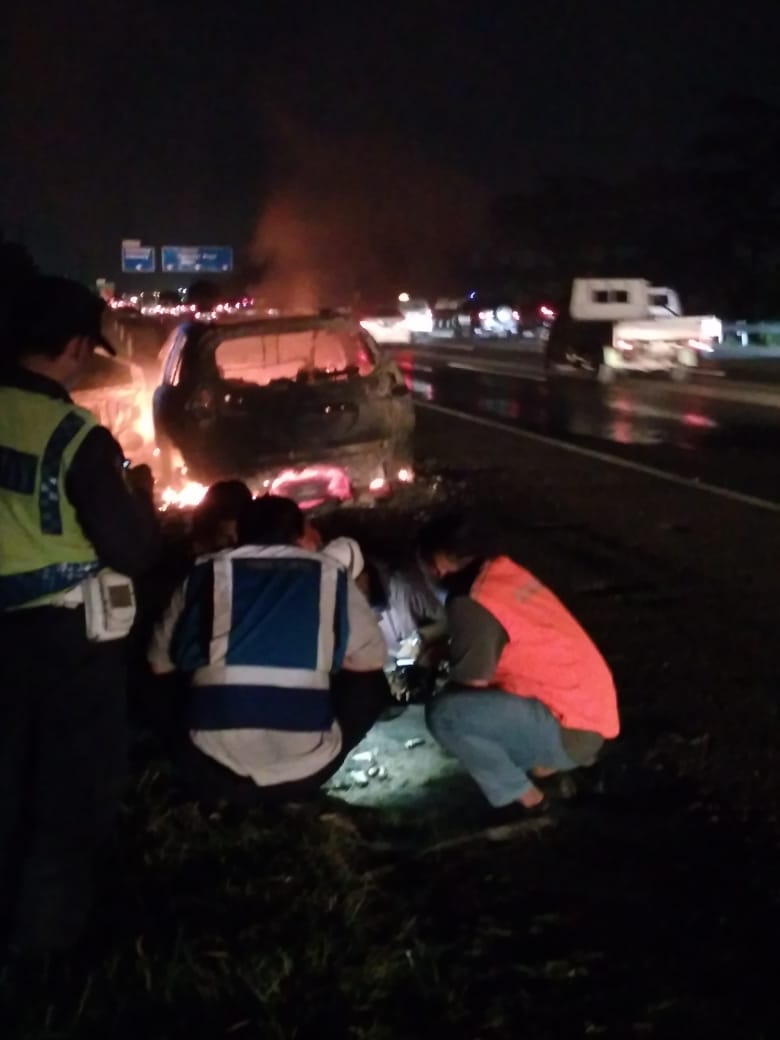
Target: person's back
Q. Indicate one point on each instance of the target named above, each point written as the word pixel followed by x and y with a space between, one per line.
pixel 548 655
pixel 260 688
pixel 410 605
pixel 261 631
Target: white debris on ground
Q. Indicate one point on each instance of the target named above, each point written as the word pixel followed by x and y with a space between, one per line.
pixel 395 761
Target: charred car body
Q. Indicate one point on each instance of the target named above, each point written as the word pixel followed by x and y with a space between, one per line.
pixel 305 406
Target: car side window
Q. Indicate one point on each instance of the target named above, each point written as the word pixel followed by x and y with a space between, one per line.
pixel 172 369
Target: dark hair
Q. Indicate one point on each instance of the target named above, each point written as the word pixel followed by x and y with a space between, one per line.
pixel 270 520
pixel 451 533
pixel 225 500
pixel 45 312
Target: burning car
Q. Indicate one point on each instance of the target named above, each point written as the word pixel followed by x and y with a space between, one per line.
pixel 115 391
pixel 304 406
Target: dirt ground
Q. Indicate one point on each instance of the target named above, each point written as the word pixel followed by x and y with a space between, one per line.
pixel 646 905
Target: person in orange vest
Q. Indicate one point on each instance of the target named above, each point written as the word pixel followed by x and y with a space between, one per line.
pixel 529 693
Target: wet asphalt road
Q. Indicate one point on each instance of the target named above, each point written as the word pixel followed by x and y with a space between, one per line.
pixel 720 433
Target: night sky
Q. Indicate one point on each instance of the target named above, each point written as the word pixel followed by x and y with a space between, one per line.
pixel 166 121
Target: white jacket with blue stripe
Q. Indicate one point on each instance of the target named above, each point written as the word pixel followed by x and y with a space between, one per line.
pixel 260 630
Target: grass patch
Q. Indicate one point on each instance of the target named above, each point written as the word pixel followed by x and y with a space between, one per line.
pixel 236 923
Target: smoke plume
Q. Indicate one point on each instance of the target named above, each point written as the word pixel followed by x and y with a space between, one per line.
pixel 360 219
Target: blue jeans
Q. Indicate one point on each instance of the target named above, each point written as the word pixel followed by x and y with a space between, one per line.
pixel 497 737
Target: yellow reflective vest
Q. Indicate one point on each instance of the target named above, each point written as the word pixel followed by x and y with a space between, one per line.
pixel 43 550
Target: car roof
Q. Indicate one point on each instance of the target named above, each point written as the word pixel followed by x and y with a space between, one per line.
pixel 269 326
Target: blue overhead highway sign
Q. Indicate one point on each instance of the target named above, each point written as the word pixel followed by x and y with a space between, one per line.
pixel 138 259
pixel 197 259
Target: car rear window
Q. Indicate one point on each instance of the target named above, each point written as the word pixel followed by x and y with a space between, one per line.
pixel 263 358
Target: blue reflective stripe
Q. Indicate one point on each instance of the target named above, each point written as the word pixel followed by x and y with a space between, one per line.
pixel 191 636
pixel 275 612
pixel 340 621
pixel 49 495
pixel 18 589
pixel 260 707
pixel 17 470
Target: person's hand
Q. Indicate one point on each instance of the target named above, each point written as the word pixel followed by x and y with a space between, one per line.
pixel 140 480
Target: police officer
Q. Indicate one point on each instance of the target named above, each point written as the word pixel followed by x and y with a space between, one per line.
pixel 68 509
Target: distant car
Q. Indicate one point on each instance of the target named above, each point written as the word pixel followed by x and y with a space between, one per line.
pixel 115 391
pixel 476 318
pixel 444 315
pixel 486 319
pixel 419 316
pixel 386 325
pixel 304 406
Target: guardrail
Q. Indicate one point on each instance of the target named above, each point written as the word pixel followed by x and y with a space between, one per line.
pixel 745 338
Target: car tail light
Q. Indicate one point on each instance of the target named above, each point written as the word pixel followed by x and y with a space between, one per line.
pixel 313 485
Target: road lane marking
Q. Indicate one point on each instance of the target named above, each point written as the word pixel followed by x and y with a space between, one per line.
pixel 615 460
pixel 533 377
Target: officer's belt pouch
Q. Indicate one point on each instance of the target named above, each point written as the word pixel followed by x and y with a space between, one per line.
pixel 109 606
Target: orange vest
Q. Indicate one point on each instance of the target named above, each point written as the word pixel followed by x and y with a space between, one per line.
pixel 549 656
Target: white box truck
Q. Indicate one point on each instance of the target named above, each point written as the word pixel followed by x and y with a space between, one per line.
pixel 614 325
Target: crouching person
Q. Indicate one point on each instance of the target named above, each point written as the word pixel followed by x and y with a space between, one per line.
pixel 283 660
pixel 529 693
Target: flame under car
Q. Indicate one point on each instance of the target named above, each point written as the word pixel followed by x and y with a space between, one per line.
pixel 115 391
pixel 303 406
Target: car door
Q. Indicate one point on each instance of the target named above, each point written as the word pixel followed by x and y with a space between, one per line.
pixel 168 400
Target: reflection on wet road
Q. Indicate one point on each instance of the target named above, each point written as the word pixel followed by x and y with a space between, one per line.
pixel 682 429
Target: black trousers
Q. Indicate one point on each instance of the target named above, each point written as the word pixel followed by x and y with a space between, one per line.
pixel 359 698
pixel 63 737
